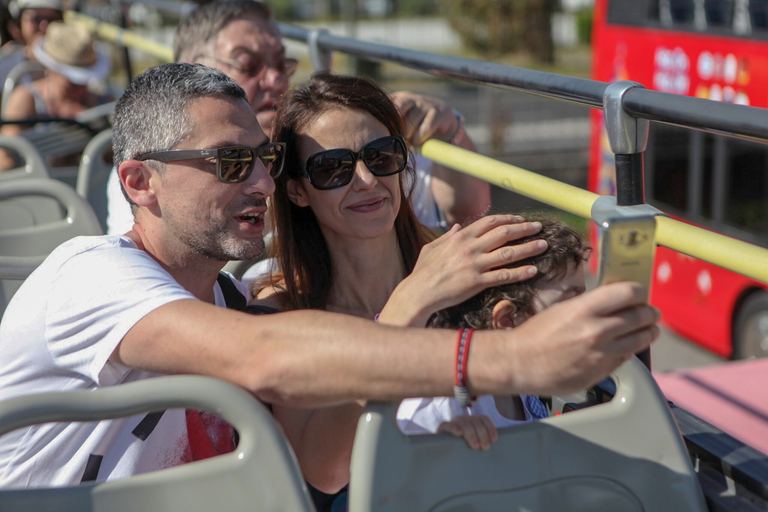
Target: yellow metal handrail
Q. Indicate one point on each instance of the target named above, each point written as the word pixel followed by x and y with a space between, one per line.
pixel 546 190
pixel 121 36
pixel 720 250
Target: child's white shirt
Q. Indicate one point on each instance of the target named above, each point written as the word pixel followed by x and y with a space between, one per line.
pixel 425 415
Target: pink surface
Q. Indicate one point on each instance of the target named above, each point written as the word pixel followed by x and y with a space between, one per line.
pixel 733 397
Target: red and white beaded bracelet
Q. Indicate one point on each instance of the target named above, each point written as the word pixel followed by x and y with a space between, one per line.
pixel 460 389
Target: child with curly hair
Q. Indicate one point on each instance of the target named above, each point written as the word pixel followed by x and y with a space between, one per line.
pixel 560 277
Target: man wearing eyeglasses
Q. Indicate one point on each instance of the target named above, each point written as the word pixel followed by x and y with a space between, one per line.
pixel 105 310
pixel 240 38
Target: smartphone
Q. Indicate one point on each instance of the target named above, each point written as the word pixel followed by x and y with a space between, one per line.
pixel 627 247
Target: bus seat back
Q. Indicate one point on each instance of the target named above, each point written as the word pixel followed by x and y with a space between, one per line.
pixel 36 216
pixel 23 72
pixel 261 474
pixel 626 454
pixel 34 165
pixel 577 494
pixel 93 174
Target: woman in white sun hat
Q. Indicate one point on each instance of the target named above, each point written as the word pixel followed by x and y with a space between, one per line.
pixel 71 62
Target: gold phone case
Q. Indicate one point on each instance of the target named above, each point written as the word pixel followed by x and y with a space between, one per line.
pixel 627 248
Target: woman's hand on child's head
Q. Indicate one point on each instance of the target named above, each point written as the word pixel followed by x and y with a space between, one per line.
pixel 479 432
pixel 463 262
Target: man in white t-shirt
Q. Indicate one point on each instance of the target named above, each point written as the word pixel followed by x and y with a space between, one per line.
pixel 240 38
pixel 101 311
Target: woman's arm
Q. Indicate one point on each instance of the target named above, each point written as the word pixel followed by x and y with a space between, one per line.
pixel 21 105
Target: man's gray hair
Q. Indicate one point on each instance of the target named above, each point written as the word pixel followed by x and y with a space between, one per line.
pixel 153 113
pixel 197 30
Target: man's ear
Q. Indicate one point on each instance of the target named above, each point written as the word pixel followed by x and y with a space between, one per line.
pixel 135 178
pixel 296 193
pixel 505 315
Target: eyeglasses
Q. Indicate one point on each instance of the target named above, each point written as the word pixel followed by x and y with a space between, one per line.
pixel 30 16
pixel 256 67
pixel 334 168
pixel 234 164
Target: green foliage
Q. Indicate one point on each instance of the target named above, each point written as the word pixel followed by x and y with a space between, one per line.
pixel 409 8
pixel 499 27
pixel 584 25
pixel 282 9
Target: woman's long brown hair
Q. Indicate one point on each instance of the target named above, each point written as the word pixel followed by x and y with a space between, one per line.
pixel 298 244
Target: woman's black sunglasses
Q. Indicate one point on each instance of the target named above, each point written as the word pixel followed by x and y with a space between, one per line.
pixel 334 168
pixel 234 164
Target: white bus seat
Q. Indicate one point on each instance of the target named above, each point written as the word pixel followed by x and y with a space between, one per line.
pixel 238 267
pixel 34 165
pixel 261 474
pixel 93 174
pixel 623 455
pixel 100 113
pixel 26 71
pixel 36 216
pixel 59 139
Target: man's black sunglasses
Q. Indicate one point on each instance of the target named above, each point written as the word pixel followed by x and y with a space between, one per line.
pixel 234 164
pixel 334 168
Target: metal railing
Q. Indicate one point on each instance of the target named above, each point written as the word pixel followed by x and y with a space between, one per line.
pixel 628 109
pixel 742 257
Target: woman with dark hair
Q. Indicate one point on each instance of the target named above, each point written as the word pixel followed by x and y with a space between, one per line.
pixel 348 241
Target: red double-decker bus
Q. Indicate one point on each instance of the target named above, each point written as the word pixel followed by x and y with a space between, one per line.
pixel 715 49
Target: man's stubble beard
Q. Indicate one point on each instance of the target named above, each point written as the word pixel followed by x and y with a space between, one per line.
pixel 217 242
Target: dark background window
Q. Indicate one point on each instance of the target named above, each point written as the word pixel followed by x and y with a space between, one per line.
pixel 747 195
pixel 668 160
pixel 681 11
pixel 719 13
pixel 758 14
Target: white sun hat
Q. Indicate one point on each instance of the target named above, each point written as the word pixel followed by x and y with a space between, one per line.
pixel 68 49
pixel 16 6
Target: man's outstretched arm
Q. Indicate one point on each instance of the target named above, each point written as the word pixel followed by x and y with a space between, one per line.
pixel 312 358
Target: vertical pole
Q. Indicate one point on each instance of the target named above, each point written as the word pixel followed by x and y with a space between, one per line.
pixel 720 180
pixel 320 59
pixel 123 22
pixel 695 174
pixel 630 179
pixel 629 138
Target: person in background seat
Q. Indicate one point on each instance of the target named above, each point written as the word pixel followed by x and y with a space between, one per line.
pixel 71 61
pixel 27 21
pixel 240 38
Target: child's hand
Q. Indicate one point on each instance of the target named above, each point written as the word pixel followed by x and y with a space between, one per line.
pixel 478 431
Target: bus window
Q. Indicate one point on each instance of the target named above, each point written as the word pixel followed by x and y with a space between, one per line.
pixel 633 12
pixel 719 13
pixel 682 11
pixel 758 14
pixel 747 171
pixel 667 161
